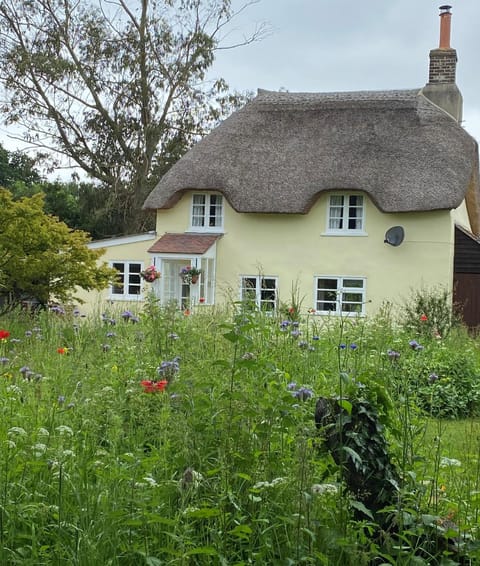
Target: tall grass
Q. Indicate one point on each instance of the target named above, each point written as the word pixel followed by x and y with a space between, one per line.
pixel 223 465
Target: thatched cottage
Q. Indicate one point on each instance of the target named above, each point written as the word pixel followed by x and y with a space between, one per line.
pixel 351 199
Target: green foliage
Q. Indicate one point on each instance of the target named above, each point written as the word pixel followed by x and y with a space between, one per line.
pixel 118 90
pixel 447 383
pixel 40 257
pixel 428 312
pixel 222 466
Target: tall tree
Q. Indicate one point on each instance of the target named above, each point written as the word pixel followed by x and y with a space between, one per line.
pixel 42 258
pixel 117 87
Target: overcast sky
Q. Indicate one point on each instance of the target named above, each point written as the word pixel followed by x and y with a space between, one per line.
pixel 344 45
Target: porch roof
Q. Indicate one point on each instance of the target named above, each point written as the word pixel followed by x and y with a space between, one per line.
pixel 191 243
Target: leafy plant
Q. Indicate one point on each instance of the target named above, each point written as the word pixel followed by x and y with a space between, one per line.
pixel 429 312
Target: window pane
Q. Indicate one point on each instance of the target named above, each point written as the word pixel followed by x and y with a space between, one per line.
pixel 351 307
pixel 249 289
pixel 118 284
pixel 198 211
pixel 355 283
pixel 215 216
pixel 327 284
pixel 355 212
pixel 327 295
pixel 335 221
pixel 268 294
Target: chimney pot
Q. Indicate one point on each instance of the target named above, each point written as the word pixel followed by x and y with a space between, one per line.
pixel 445 18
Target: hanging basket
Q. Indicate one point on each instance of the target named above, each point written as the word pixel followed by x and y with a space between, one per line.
pixel 150 274
pixel 190 275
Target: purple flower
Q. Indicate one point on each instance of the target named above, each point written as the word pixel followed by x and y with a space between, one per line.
pixel 24 370
pixel 302 344
pixel 134 319
pixel 127 315
pixel 393 355
pixel 353 346
pixel 342 346
pixel 415 345
pixel 167 369
pixel 57 309
pixel 285 323
pixel 4 361
pixel 433 377
pixel 291 386
pixel 315 337
pixel 295 333
pixel 303 393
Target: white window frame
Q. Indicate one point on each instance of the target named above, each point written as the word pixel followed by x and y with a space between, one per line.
pixel 341 290
pixel 125 296
pixel 344 218
pixel 209 212
pixel 260 302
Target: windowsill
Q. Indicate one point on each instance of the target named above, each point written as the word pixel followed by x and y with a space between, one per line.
pixel 354 233
pixel 125 298
pixel 201 229
pixel 339 314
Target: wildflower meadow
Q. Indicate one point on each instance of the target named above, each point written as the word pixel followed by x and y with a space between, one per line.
pixel 161 437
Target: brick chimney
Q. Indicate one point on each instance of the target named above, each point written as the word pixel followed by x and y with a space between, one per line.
pixel 441 88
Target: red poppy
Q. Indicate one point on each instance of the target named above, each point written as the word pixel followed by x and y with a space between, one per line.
pixel 153 386
pixel 62 350
pixel 186 312
pixel 4 334
pixel 201 300
pixel 291 310
pixel 424 318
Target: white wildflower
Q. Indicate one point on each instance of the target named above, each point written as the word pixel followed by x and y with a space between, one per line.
pixel 150 481
pixel 64 430
pixel 17 431
pixel 447 462
pixel 43 432
pixel 14 389
pixel 39 449
pixel 323 488
pixel 273 483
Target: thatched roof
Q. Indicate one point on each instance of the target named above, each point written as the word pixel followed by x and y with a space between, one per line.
pixel 277 153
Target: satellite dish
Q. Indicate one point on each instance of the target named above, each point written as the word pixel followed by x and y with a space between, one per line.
pixel 394 235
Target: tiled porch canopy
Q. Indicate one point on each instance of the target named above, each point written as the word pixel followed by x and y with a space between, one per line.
pixel 184 243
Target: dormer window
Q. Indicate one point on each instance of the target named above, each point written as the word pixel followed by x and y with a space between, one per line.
pixel 346 214
pixel 207 212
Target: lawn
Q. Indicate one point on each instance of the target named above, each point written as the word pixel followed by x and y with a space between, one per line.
pixel 160 437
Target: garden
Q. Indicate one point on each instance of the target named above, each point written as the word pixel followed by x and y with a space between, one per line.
pixel 234 437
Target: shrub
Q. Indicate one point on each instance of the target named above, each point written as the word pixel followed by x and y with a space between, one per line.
pixel 429 312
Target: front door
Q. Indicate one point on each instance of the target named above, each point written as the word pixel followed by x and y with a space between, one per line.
pixel 173 287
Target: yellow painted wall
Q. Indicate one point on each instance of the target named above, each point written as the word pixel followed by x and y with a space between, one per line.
pixel 460 216
pixel 98 301
pixel 295 249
